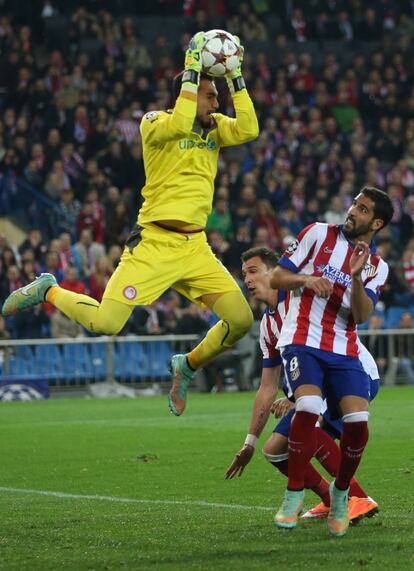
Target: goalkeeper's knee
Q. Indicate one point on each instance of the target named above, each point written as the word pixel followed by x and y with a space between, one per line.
pixel 236 315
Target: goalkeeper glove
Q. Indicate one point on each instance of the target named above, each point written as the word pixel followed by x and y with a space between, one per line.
pixel 192 62
pixel 235 79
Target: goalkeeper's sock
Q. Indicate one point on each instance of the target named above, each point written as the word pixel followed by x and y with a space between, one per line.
pixel 107 317
pixel 236 320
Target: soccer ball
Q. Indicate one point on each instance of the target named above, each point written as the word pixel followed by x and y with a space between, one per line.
pixel 220 54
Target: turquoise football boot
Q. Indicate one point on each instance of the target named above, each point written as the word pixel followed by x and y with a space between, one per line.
pixel 28 295
pixel 181 376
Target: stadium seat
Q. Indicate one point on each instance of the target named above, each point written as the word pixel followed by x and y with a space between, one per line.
pixel 393 316
pixel 77 362
pixel 159 354
pixel 130 362
pixel 98 361
pixel 24 352
pixel 48 363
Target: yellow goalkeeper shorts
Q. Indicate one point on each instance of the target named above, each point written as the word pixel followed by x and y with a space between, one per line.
pixel 156 259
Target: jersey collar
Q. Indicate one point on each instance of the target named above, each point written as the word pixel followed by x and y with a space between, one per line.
pixel 372 246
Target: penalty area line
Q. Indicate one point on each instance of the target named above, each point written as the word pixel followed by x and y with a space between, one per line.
pixel 119 500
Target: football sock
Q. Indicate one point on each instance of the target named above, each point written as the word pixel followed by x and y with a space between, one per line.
pixel 327 452
pixel 312 481
pixel 353 440
pixel 315 482
pixel 107 317
pixel 302 445
pixel 329 456
pixel 235 321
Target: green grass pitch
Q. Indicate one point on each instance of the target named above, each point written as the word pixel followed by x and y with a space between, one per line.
pixel 136 489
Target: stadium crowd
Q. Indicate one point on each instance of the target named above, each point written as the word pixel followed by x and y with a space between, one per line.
pixel 332 83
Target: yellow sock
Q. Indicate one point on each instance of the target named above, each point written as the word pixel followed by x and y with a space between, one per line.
pixel 236 318
pixel 107 317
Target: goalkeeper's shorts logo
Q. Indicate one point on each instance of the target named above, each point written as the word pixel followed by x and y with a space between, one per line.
pixel 185 144
pixel 130 292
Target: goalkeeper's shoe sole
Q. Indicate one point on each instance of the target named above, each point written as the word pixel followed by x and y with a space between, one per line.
pixel 28 295
pixel 361 508
pixel 181 376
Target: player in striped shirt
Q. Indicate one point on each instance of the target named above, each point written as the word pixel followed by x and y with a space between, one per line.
pixel 258 264
pixel 335 278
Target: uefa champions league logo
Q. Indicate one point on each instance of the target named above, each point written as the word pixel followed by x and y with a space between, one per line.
pixel 18 391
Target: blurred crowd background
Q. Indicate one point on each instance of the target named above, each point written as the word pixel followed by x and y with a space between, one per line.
pixel 332 83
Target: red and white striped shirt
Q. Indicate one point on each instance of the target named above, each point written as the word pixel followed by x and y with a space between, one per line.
pixel 323 250
pixel 270 328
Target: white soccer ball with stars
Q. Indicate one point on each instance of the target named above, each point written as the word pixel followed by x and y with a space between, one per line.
pixel 220 54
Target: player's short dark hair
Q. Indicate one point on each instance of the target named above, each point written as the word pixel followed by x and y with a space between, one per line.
pixel 177 80
pixel 269 257
pixel 383 207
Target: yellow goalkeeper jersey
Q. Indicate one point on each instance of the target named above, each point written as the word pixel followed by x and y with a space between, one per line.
pixel 180 165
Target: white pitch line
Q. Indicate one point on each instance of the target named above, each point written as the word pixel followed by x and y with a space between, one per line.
pixel 117 499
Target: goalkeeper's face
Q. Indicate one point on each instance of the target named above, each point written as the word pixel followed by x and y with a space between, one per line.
pixel 207 102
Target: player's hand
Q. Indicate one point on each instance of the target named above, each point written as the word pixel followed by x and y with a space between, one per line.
pixel 238 71
pixel 240 461
pixel 281 407
pixel 321 286
pixel 359 258
pixel 192 60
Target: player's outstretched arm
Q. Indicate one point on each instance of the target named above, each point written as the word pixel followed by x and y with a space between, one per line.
pixel 261 411
pixel 158 128
pixel 245 126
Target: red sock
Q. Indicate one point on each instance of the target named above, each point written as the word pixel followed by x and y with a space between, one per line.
pixel 327 452
pixel 353 440
pixel 315 482
pixel 329 456
pixel 302 445
pixel 281 466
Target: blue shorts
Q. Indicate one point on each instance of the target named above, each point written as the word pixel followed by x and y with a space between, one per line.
pixel 283 426
pixel 334 426
pixel 336 375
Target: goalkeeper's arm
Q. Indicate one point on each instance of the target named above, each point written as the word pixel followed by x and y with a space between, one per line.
pixel 167 127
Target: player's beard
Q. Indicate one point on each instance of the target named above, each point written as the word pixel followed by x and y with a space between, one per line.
pixel 357 231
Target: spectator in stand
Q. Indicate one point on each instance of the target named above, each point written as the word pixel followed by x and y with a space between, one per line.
pixel 266 218
pixel 118 226
pixel 68 213
pixel 89 252
pixel 62 327
pixel 51 265
pixel 11 279
pixel 32 324
pixel 147 320
pixel 114 256
pixel 56 181
pixel 220 219
pixel 99 278
pixel 336 212
pixel 34 242
pixel 405 347
pixel 72 282
pixel 170 303
pixel 192 321
pixel 8 258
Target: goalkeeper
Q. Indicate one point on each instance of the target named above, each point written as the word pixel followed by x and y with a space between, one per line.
pixel 168 246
